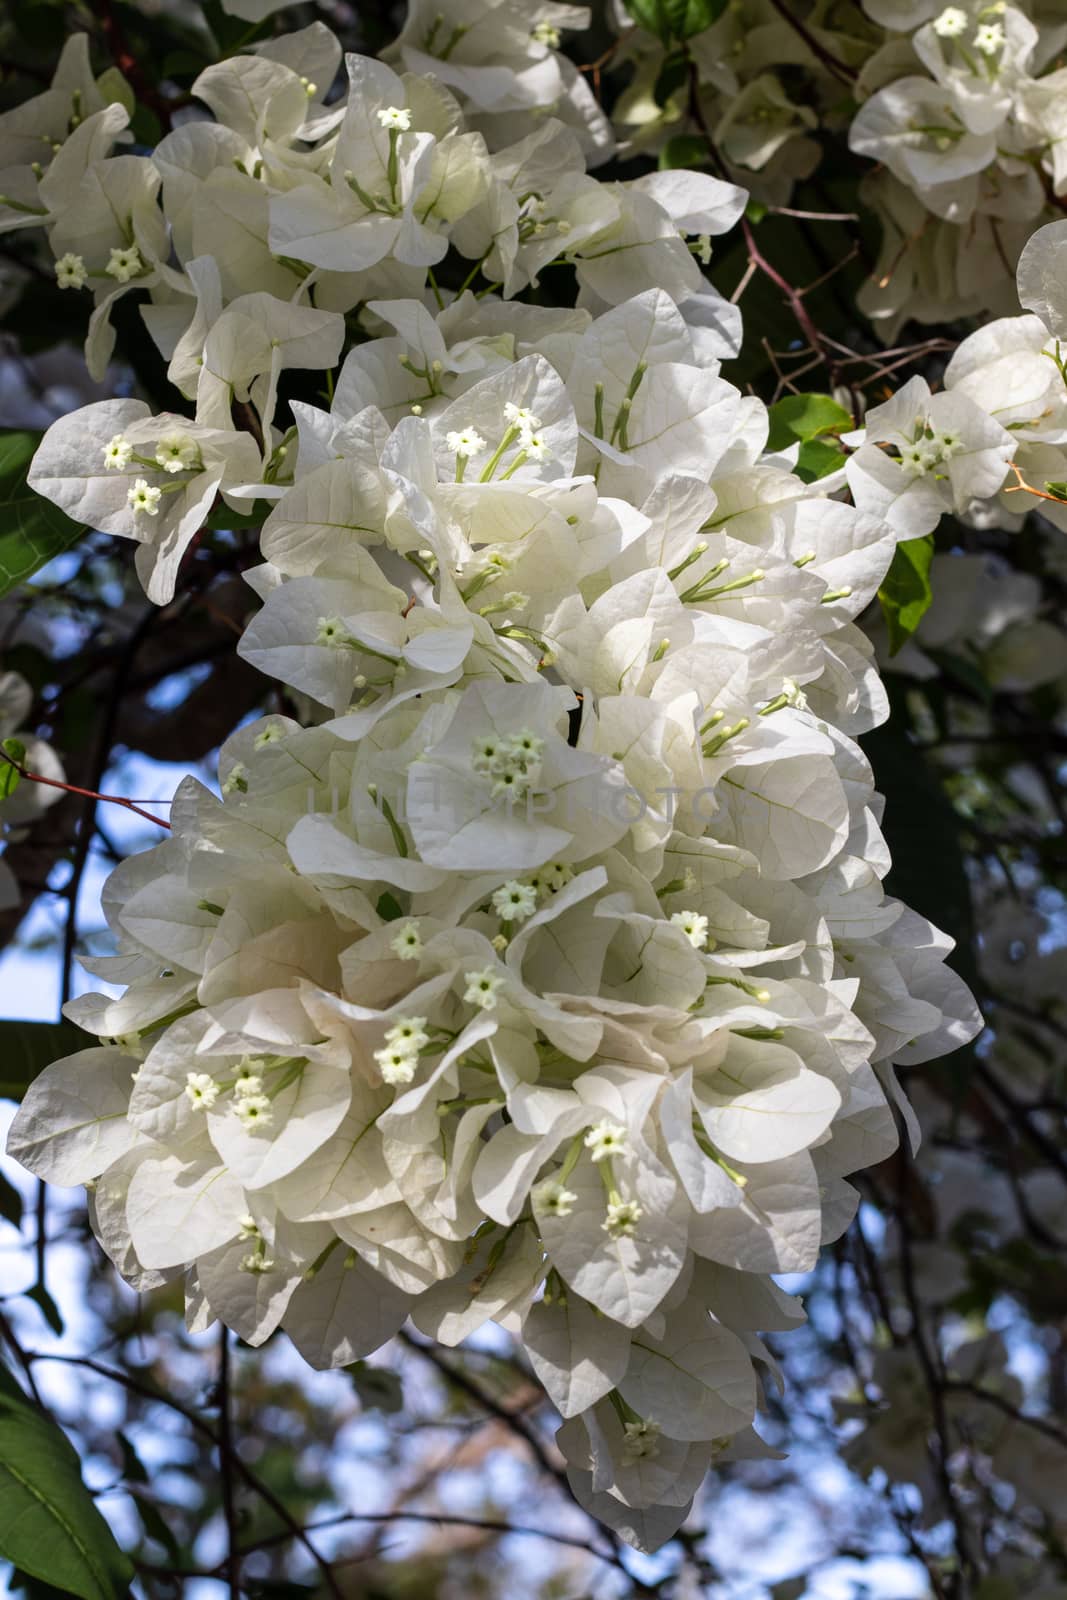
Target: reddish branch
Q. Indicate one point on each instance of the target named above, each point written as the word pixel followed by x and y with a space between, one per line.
pixel 88 794
pixel 128 63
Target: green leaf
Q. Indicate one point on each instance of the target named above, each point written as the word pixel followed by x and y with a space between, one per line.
pixel 673 21
pixel 922 829
pixel 671 77
pixel 1057 489
pixel 817 458
pixel 114 87
pixel 47 1307
pixel 966 673
pixel 906 594
pixel 389 907
pixel 133 1468
pixel 10 1202
pixel 10 776
pixel 146 127
pixel 377 1387
pixel 223 520
pixel 26 1048
pixel 804 417
pixel 684 150
pixel 33 1588
pixel 32 530
pixel 49 1525
pixel 155 1526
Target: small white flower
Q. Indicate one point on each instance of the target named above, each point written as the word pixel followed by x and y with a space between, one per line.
pixel 521 417
pixel 605 1139
pixel 145 497
pixel 556 875
pixel 919 458
pixel 247 1085
pixel 177 452
pixel 947 444
pixel 248 1229
pixel 515 901
pixel 640 1441
pixel 397 1063
pixel 794 694
pixel 71 271
pixel 117 452
pixel 622 1218
pixel 552 1197
pixel 465 442
pixel 395 117
pixel 694 926
pixel 545 33
pixel 510 780
pixel 951 23
pixel 124 263
pixel 201 1090
pixel 989 37
pixel 487 752
pixel 524 747
pixel 407 942
pixel 482 987
pixel 536 447
pixel 235 781
pixel 332 633
pixel 256 1263
pixel 273 733
pixel 253 1110
pixel 408 1031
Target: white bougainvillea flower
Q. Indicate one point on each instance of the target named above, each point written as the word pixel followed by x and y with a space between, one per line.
pixel 547 975
pixel 100 466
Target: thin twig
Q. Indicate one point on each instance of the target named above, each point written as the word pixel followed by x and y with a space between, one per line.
pixel 227 1453
pixel 196 1421
pixel 840 69
pixel 88 794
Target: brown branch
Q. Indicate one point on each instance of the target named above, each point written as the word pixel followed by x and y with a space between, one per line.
pixel 1022 487
pixel 128 63
pixel 197 1422
pixel 227 1454
pixel 73 788
pixel 840 69
pixel 933 1377
pixel 1039 1424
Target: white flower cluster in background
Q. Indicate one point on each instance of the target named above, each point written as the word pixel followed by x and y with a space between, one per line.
pixel 965 116
pixel 961 108
pixel 333 205
pixel 996 435
pixel 541 971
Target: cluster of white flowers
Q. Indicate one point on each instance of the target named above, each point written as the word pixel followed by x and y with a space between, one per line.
pixel 962 107
pixel 334 205
pixel 966 118
pixel 542 971
pixel 992 444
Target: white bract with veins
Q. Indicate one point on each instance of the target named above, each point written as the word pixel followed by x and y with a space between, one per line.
pixel 539 969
